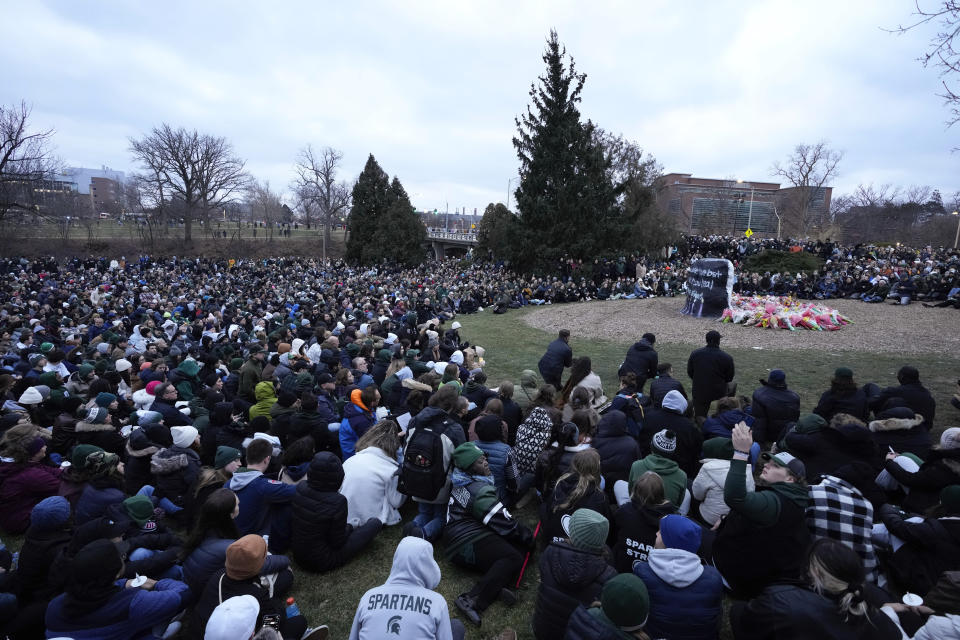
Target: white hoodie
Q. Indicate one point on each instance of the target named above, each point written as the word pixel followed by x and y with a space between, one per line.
pixel 404 606
pixel 676 567
pixel 708 489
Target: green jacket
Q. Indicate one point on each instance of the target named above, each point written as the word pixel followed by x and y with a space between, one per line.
pixel 762 506
pixel 266 398
pixel 674 479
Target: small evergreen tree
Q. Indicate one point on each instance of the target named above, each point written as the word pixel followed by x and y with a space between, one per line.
pixel 370 201
pixel 565 194
pixel 497 232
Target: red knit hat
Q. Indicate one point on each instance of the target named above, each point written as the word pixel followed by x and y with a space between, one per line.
pixel 152 386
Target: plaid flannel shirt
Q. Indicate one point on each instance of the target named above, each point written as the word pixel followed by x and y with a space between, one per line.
pixel 839 511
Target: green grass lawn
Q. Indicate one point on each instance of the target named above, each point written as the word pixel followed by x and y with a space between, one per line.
pixel 512 346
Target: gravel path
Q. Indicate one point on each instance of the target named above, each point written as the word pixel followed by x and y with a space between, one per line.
pixel 876 327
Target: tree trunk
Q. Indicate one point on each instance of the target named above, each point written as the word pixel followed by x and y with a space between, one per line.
pixel 326 239
pixel 188 229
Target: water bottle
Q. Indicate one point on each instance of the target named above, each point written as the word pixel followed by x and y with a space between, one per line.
pixel 292 609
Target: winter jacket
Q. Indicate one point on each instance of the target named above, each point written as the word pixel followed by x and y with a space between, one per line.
pixel 711 369
pixel 103 435
pixel 591 624
pixel 357 418
pixel 475 512
pixel 773 408
pixel 22 486
pixel 840 511
pixel 95 499
pixel 221 587
pixel 795 612
pixel 642 360
pixel 555 517
pixel 708 486
pixel 594 387
pixel 320 526
pixel 930 548
pixel 631 403
pixel 408 590
pixel 559 355
pixel 549 468
pixel 674 479
pixel 249 378
pixel 172 417
pixel 64 434
pixel 503 466
pixel 37 555
pixel 184 378
pixel 903 434
pixel 939 470
pixel 826 450
pixel 533 436
pixel 689 437
pixel 770 522
pixel 914 395
pixel 722 424
pixel 686 597
pixel 136 471
pixel 618 451
pixel 661 386
pixel 266 398
pixel 452 436
pixel 569 577
pixel 174 469
pixel 854 403
pixel 477 393
pixel 210 556
pixel 370 487
pixel 257 494
pixel 636 529
pixel 130 614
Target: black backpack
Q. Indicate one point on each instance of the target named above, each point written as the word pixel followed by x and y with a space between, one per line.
pixel 423 474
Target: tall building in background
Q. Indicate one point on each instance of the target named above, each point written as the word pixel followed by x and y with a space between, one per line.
pixel 727 207
pixel 103 185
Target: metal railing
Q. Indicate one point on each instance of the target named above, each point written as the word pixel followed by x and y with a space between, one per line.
pixel 456 236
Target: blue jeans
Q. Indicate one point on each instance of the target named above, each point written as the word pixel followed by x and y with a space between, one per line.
pixel 163 503
pixel 431 519
pixel 174 573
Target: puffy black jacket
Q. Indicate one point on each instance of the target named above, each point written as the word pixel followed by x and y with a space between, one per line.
pixel 616 448
pixel 711 369
pixel 174 470
pixel 914 395
pixel 320 526
pixel 642 360
pixel 826 450
pixel 854 403
pixel 569 577
pixel 930 548
pixel 773 408
pixel 558 356
pixel 794 612
pixel 40 549
pixel 136 472
pixel 588 624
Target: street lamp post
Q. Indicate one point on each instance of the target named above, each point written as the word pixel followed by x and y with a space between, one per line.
pixel 509 180
pixel 956 237
pixel 750 208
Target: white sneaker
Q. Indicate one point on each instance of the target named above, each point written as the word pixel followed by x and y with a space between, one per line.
pixel 316 633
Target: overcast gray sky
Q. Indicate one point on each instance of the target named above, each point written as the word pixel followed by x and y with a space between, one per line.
pixel 717 89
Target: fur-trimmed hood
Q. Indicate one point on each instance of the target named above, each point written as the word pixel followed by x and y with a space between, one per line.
pixel 413 385
pixel 168 461
pixel 88 427
pixel 896 424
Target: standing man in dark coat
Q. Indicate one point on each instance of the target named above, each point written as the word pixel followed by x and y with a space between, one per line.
pixel 558 357
pixel 642 360
pixel 774 406
pixel 665 383
pixel 711 369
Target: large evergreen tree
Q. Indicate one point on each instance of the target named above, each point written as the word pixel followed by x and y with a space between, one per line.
pixel 565 196
pixel 497 231
pixel 370 201
pixel 400 234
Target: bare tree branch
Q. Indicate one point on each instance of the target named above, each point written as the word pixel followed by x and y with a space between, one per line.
pixel 26 163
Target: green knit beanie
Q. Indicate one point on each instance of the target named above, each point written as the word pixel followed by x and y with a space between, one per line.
pixel 588 530
pixel 811 423
pixel 718 448
pixel 625 602
pixel 139 508
pixel 466 454
pixel 225 455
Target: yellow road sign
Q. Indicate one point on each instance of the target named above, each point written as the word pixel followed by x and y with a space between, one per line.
pixel 748 232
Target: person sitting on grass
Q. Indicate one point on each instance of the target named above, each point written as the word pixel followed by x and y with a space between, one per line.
pixel 264 504
pixel 620 614
pixel 481 535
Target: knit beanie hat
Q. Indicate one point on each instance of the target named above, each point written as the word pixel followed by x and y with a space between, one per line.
pixel 233 618
pixel 308 402
pixel 678 532
pixel 46 347
pixel 950 499
pixel 84 371
pixel 225 455
pixel 86 454
pixel 246 556
pixel 950 438
pixel 97 415
pixel 149 417
pixel 625 602
pixel 286 399
pixel 235 363
pixel 528 379
pixel 30 395
pixel 718 448
pixel 184 437
pixel 158 434
pixel 488 428
pixel 139 508
pixel 588 530
pixel 674 401
pixel 35 358
pixel 122 365
pixel 95 565
pixel 466 454
pixel 43 390
pixel 50 514
pixel 152 387
pixel 35 445
pixel 811 423
pixel 105 399
pixel 664 442
pixel 843 373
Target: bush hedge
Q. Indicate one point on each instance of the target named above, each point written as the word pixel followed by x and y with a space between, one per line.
pixel 779 261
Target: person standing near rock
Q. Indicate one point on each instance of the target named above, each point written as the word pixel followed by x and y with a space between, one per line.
pixel 558 357
pixel 711 370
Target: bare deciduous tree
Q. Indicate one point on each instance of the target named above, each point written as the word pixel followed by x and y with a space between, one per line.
pixel 265 205
pixel 26 162
pixel 809 168
pixel 943 52
pixel 317 182
pixel 198 169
